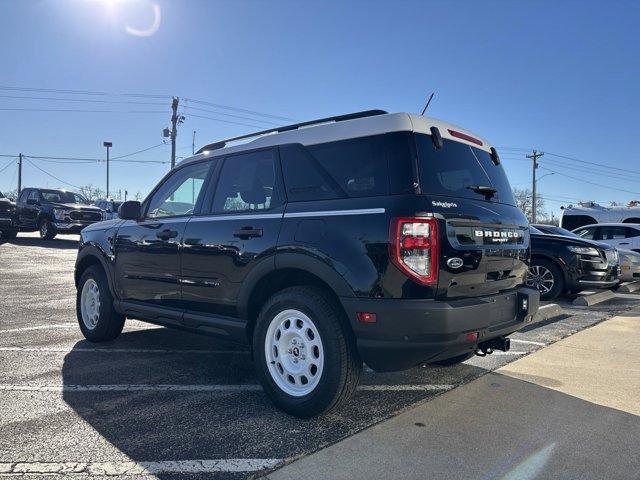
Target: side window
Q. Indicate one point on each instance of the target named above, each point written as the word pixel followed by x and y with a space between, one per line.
pixel 587 233
pixel 632 232
pixel 34 195
pixel 613 233
pixel 358 166
pixel 23 196
pixel 304 177
pixel 361 167
pixel 179 194
pixel 247 182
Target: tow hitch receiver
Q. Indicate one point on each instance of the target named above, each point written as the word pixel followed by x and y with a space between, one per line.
pixel 500 343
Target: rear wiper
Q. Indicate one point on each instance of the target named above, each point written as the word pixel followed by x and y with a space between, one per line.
pixel 488 192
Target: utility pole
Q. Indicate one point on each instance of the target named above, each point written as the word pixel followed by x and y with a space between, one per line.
pixel 534 156
pixel 108 145
pixel 19 174
pixel 174 130
pixel 193 144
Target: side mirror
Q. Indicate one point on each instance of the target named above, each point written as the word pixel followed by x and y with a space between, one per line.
pixel 32 201
pixel 130 210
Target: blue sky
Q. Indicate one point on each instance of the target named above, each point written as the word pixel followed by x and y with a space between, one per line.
pixel 558 76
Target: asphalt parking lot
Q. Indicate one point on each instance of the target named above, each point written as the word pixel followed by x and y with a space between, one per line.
pixel 158 403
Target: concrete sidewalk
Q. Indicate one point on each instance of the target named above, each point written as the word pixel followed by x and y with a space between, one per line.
pixel 569 410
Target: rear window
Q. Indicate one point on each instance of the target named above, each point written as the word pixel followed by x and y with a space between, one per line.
pixel 452 169
pixel 359 167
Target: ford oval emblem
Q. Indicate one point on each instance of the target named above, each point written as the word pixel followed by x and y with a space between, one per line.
pixel 455 262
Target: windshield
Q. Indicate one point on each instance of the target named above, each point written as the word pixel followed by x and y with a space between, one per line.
pixel 454 168
pixel 61 196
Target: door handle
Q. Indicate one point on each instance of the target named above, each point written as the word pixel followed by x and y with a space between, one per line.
pixel 624 243
pixel 248 232
pixel 167 234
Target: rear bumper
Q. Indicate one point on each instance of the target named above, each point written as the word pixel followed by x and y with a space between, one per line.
pixel 411 332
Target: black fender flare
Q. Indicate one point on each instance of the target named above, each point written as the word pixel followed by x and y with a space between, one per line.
pixel 292 260
pixel 94 252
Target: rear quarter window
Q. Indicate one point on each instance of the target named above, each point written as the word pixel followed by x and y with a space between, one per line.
pixel 360 167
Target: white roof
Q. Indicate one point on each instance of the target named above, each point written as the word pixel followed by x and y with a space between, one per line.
pixel 359 127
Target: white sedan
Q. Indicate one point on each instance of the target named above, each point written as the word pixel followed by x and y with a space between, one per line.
pixel 620 235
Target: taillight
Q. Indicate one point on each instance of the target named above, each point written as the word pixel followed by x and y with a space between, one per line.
pixel 414 248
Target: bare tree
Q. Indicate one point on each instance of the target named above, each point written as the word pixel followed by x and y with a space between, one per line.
pixel 12 194
pixel 524 201
pixel 91 193
pixel 138 196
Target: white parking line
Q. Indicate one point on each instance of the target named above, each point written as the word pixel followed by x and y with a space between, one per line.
pixel 201 388
pixel 528 342
pixel 119 350
pixel 498 352
pixel 41 327
pixel 119 469
pixel 405 388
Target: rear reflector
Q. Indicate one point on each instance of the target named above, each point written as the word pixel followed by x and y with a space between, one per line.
pixel 366 317
pixel 466 137
pixel 471 337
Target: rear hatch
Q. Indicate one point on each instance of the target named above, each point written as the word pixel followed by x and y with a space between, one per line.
pixel 484 237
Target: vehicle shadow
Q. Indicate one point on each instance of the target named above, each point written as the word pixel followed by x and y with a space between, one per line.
pixel 57 243
pixel 173 420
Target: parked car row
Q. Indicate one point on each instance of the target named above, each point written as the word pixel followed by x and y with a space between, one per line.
pixel 50 211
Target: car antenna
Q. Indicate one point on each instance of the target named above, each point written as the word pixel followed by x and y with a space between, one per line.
pixel 428 102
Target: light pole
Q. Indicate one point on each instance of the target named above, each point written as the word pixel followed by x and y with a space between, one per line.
pixel 108 145
pixel 534 196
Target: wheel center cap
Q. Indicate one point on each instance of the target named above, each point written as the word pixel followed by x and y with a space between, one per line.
pixel 295 351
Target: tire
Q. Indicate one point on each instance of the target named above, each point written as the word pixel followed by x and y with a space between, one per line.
pixel 8 234
pixel 46 229
pixel 317 339
pixel 104 323
pixel 449 362
pixel 540 272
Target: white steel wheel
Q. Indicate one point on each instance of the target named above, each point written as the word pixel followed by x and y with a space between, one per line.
pixel 90 304
pixel 294 353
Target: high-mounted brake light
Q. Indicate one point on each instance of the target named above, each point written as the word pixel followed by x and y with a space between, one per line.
pixel 414 247
pixel 466 137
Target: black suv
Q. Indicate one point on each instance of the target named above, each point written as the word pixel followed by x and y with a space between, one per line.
pixel 8 227
pixel 563 262
pixel 54 211
pixel 391 239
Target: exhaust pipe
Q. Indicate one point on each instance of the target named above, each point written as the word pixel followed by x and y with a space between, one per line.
pixel 502 344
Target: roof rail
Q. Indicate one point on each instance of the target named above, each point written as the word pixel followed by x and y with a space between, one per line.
pixel 286 128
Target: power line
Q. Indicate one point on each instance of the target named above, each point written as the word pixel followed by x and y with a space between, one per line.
pixel 6 166
pixel 243 110
pixel 224 121
pixel 591 183
pixel 144 95
pixel 140 151
pixel 77 110
pixel 190 107
pixel 51 175
pixel 629 177
pixel 82 100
